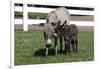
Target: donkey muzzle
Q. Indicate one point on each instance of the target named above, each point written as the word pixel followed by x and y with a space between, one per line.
pixel 48 43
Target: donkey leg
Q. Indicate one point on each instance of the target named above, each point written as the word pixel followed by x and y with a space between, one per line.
pixel 46 51
pixel 55 46
pixel 56 53
pixel 69 46
pixel 60 44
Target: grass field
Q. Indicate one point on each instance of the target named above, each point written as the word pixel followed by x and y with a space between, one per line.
pixel 29 49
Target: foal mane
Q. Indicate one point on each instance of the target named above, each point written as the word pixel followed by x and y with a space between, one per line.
pixel 62 25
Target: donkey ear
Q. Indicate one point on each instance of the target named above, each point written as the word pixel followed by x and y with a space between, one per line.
pixel 47 21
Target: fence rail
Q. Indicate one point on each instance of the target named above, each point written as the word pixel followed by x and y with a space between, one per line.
pixel 46 10
pixel 25 9
pixel 35 21
pixel 72 3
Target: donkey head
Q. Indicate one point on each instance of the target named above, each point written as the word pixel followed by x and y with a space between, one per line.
pixel 48 34
pixel 47 38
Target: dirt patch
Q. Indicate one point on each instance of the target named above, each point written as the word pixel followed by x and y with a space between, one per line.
pixel 40 27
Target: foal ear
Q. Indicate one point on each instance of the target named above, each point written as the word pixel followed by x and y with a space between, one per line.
pixel 65 21
pixel 59 22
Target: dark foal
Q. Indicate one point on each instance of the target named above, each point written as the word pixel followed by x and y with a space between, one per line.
pixel 63 32
pixel 70 35
pixel 73 35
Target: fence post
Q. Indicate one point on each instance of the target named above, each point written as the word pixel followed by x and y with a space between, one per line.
pixel 12 20
pixel 25 17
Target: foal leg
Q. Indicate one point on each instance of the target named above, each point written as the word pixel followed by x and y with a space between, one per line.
pixel 55 44
pixel 76 45
pixel 60 39
pixel 73 45
pixel 67 45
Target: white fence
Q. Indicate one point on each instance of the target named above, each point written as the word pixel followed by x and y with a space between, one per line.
pixel 25 9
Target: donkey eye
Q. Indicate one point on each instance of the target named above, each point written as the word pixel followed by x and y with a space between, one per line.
pixel 53 24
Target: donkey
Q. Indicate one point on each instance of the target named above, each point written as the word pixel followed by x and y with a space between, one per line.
pixel 49 33
pixel 73 35
pixel 57 18
pixel 70 35
pixel 68 32
pixel 62 31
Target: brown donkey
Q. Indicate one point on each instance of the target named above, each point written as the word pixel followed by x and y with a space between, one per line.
pixel 49 33
pixel 52 32
pixel 55 19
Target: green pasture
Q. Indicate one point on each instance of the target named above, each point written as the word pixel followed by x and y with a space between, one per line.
pixel 30 49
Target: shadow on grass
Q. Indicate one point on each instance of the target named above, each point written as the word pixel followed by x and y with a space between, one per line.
pixel 41 52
